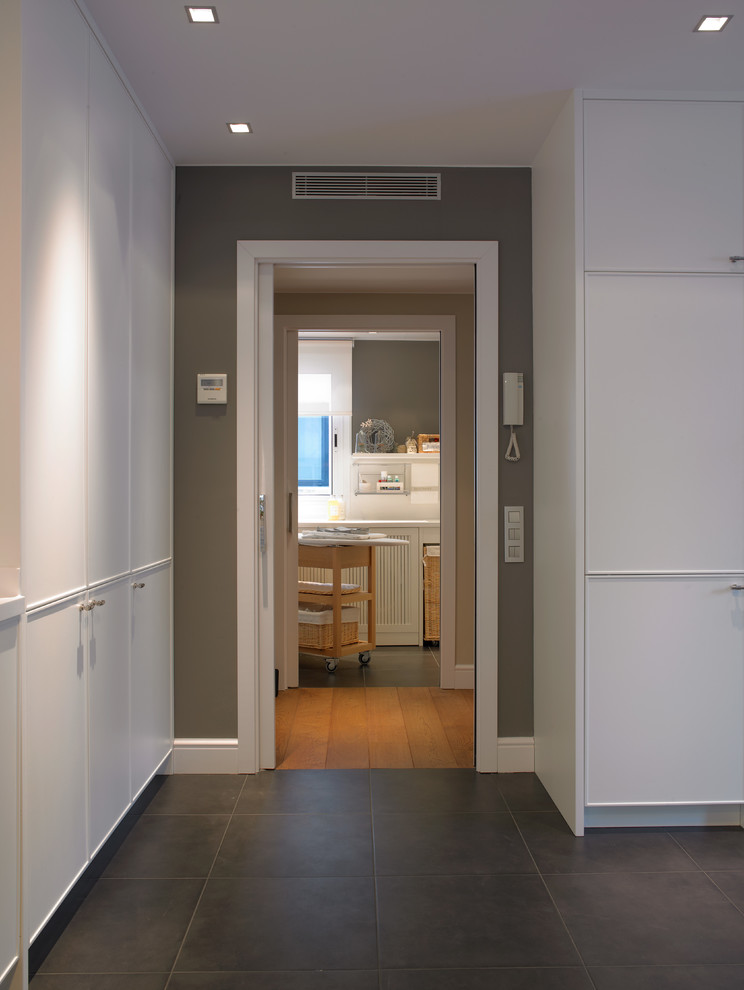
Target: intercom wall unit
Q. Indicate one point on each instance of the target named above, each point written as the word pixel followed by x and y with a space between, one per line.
pixel 211 388
pixel 513 398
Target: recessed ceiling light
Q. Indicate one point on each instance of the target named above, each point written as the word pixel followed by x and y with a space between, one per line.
pixel 240 128
pixel 713 22
pixel 202 15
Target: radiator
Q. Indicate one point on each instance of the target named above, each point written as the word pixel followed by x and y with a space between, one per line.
pixel 397 604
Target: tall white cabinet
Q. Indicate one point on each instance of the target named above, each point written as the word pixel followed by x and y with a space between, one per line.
pixel 96 465
pixel 647 330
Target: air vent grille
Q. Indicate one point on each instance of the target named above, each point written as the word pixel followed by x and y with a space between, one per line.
pixel 363 185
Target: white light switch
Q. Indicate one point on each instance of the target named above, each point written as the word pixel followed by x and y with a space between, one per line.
pixel 514 534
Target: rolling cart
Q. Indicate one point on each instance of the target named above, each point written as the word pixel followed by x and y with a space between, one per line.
pixel 335 559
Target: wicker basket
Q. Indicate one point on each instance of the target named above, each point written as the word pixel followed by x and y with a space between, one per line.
pixel 428 443
pixel 431 593
pixel 315 627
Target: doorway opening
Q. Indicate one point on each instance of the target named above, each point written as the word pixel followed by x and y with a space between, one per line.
pixel 407 702
pixel 257 487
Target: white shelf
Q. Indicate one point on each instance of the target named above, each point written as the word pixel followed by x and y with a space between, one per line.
pixel 384 458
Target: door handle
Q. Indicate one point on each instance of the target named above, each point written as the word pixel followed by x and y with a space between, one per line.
pixel 290 521
pixel 262 523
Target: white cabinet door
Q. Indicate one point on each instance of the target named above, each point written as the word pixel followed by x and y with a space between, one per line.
pixel 108 709
pixel 152 736
pixel 664 688
pixel 55 212
pixel 151 348
pixel 108 322
pixel 9 793
pixel 664 423
pixel 55 757
pixel 663 186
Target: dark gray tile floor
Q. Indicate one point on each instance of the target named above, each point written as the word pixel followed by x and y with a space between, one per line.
pixel 399 880
pixel 390 666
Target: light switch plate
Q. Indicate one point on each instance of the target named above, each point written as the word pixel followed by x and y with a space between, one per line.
pixel 514 534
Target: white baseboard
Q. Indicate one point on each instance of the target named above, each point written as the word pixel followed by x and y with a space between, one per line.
pixel 205 756
pixel 669 816
pixel 516 754
pixel 465 677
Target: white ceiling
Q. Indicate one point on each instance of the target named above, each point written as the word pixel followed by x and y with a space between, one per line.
pixel 401 82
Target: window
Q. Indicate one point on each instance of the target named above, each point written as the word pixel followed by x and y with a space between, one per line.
pixel 314 462
pixel 324 408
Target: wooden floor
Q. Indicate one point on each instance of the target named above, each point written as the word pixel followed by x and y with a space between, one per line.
pixel 396 727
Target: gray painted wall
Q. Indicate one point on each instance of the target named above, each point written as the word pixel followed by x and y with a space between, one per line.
pixel 216 207
pixel 398 381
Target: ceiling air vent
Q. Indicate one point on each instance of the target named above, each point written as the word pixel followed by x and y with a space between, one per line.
pixel 366 185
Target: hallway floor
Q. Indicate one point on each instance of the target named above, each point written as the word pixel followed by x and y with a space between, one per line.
pixel 399 880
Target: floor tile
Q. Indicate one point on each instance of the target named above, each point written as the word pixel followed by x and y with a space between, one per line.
pixel 434 790
pixel 126 926
pixel 296 846
pixel 169 846
pixel 469 922
pixel 357 980
pixel 714 849
pixel 278 924
pixel 487 979
pixel 197 794
pixel 649 919
pixel 524 792
pixel 557 850
pixel 449 843
pixel 731 882
pixel 99 981
pixel 668 978
pixel 275 792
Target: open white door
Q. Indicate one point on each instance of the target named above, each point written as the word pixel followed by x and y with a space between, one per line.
pixel 255 472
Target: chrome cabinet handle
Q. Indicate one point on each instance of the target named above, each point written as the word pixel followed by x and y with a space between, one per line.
pixel 85 607
pixel 737 587
pixel 736 257
pixel 99 601
pixel 138 584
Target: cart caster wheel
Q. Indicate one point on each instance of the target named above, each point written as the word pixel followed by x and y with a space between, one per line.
pixel 331 665
pixel 364 658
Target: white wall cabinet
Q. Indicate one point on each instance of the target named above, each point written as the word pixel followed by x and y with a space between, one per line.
pixel 109 314
pixel 55 222
pixel 151 674
pixel 96 463
pixel 665 423
pixel 642 319
pixel 663 186
pixel 56 756
pixel 664 690
pixel 151 399
pixel 10 908
pixel 108 708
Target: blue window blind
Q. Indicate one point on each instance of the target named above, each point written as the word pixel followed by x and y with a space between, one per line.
pixel 313 464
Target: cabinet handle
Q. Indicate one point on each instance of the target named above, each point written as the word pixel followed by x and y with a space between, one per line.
pixel 737 587
pixel 86 606
pixel 138 584
pixel 736 257
pixel 99 601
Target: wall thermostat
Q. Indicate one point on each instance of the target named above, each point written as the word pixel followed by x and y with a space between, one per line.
pixel 211 388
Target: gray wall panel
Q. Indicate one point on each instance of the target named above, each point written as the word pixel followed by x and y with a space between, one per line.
pixel 216 207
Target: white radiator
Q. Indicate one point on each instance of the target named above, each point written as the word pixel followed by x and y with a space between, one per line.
pixel 397 593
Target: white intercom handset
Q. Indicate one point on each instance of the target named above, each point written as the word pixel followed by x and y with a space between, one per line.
pixel 513 409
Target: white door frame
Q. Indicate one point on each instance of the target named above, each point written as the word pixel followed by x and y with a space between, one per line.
pixel 254 403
